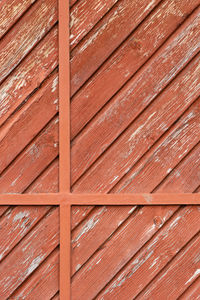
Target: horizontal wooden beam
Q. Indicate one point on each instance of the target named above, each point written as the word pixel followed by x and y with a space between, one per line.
pixel 99 199
pixel 31 199
pixel 134 199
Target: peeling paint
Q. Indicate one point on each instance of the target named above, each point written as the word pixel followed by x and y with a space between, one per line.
pixel 34 264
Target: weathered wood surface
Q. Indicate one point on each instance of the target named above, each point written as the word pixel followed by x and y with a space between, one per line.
pixel 30 253
pixel 29 103
pixel 135 74
pixel 135 128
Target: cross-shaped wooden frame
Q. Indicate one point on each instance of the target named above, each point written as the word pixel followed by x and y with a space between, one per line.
pixel 64 199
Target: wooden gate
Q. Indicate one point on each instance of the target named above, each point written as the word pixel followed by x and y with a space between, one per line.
pixel 135 131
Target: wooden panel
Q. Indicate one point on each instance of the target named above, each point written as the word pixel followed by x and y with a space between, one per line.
pixel 135 128
pixel 29 235
pixel 29 252
pixel 29 96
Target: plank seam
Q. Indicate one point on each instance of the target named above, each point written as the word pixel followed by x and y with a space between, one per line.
pixel 169 262
pixel 26 55
pixel 24 236
pixel 130 124
pixel 182 159
pixel 165 134
pixel 112 53
pixel 139 250
pixel 17 20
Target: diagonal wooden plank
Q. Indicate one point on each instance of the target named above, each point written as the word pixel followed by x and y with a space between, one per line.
pixel 133 99
pixel 28 121
pixel 130 56
pixel 16 89
pixel 187 260
pixel 132 144
pixel 95 229
pixel 192 292
pixel 43 283
pixel 47 182
pixel 16 223
pixel 28 255
pixel 11 11
pixel 124 18
pixel 32 161
pixel 142 268
pixel 39 19
pixel 84 17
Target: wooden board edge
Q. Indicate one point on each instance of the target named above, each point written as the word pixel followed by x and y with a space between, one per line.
pixel 64 96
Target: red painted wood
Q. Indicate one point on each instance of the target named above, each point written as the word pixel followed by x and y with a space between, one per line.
pixel 28 76
pixel 27 256
pixel 39 19
pixel 28 121
pixel 118 114
pixel 123 19
pixel 31 162
pixel 192 292
pixel 186 260
pixel 11 11
pixel 43 283
pixel 159 251
pixel 133 143
pixel 84 16
pixel 126 60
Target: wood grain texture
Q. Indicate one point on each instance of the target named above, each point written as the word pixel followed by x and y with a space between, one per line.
pixel 132 100
pixel 31 161
pixel 126 60
pixel 28 134
pixel 43 284
pixel 114 27
pixel 187 260
pixel 193 291
pixel 33 249
pixel 135 74
pixel 133 143
pixel 39 19
pixel 84 19
pixel 29 75
pixel 11 11
pixel 134 129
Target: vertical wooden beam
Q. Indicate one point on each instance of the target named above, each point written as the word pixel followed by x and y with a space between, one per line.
pixel 64 148
pixel 64 98
pixel 65 253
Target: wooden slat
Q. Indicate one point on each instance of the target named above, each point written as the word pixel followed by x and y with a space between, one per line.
pixel 43 283
pixel 139 137
pixel 101 223
pixel 131 55
pixel 187 260
pixel 192 292
pixel 115 117
pixel 135 232
pixel 28 121
pixel 28 76
pixel 165 156
pixel 88 232
pixel 47 182
pixel 124 18
pixel 85 15
pixel 39 19
pixel 185 177
pixel 16 223
pixel 18 86
pixel 142 268
pixel 32 161
pixel 11 11
pixel 27 256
